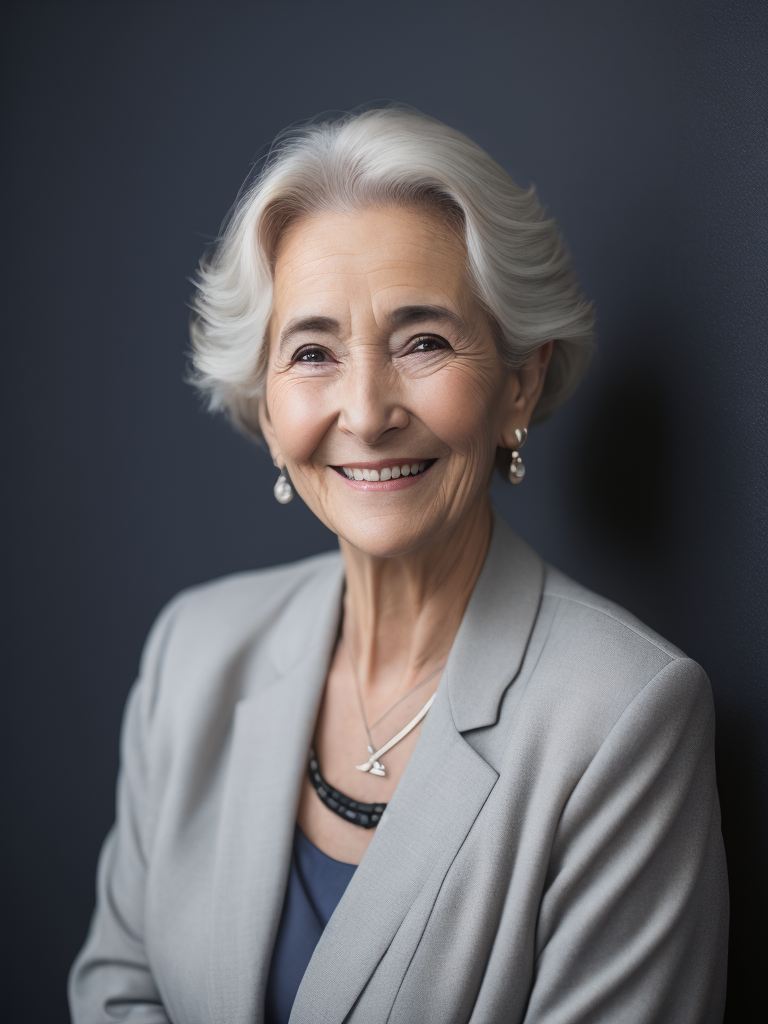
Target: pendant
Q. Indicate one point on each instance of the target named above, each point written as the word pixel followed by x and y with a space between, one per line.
pixel 372 765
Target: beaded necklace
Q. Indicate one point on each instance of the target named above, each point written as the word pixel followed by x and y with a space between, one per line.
pixel 354 811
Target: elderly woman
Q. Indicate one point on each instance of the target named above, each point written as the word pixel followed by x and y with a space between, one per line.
pixel 427 778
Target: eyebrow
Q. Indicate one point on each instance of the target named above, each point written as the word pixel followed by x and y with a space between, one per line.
pixel 404 316
pixel 309 324
pixel 407 315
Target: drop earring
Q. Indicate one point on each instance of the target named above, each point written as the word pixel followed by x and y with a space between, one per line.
pixel 516 465
pixel 283 490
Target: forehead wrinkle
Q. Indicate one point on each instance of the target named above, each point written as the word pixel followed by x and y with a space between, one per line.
pixel 304 275
pixel 299 261
pixel 377 247
pixel 383 301
pixel 327 251
pixel 451 295
pixel 299 274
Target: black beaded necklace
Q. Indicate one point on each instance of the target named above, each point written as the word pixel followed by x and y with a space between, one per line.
pixel 364 815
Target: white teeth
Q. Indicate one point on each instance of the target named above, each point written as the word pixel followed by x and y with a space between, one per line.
pixel 393 473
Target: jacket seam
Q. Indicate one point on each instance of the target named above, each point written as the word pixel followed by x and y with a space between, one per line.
pixel 615 618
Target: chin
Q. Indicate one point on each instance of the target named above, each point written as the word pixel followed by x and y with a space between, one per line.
pixel 387 536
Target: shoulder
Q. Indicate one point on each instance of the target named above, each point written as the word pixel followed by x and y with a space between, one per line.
pixel 592 663
pixel 210 621
pixel 253 595
pixel 594 677
pixel 603 621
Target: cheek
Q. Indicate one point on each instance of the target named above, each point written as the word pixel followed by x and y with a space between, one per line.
pixel 460 407
pixel 299 416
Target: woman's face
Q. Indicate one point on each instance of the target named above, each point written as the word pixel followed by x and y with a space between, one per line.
pixel 385 396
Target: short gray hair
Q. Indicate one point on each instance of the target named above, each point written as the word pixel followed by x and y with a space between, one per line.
pixel 517 262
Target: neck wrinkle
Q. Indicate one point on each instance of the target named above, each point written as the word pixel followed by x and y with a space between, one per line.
pixel 401 614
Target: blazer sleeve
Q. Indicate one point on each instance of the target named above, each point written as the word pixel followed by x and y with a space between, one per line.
pixel 111 979
pixel 633 922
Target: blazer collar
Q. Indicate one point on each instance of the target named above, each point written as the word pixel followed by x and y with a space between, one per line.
pixel 491 642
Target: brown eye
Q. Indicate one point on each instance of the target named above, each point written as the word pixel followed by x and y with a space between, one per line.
pixel 309 355
pixel 429 343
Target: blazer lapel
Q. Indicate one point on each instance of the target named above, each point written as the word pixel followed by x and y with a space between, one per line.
pixel 493 637
pixel 437 799
pixel 270 738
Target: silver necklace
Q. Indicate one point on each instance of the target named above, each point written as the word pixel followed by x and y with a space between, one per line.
pixel 373 764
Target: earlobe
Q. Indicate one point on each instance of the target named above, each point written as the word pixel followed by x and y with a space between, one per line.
pixel 515 413
pixel 524 388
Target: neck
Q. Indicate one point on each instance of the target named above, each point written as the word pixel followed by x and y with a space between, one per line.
pixel 401 614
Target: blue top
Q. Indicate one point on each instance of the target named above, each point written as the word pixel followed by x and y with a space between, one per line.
pixel 316 883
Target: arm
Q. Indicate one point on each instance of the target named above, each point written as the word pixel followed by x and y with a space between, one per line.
pixel 634 919
pixel 111 979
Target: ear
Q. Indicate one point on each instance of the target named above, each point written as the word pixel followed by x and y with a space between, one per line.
pixel 268 431
pixel 522 392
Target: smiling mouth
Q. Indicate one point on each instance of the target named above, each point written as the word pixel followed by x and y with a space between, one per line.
pixel 375 473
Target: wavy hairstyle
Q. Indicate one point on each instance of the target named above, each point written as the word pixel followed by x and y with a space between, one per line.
pixel 517 263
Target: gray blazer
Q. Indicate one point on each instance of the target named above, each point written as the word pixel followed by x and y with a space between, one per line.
pixel 552 854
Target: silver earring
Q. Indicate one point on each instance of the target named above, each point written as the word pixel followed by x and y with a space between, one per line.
pixel 282 489
pixel 516 466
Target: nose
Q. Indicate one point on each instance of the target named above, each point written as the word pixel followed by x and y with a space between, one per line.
pixel 370 400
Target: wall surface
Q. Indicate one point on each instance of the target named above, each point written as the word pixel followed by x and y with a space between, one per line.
pixel 130 128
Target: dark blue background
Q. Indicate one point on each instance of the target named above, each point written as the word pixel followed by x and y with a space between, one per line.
pixel 130 128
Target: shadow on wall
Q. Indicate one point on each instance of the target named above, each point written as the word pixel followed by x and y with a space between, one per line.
pixel 738 782
pixel 623 484
pixel 624 480
pixel 627 495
